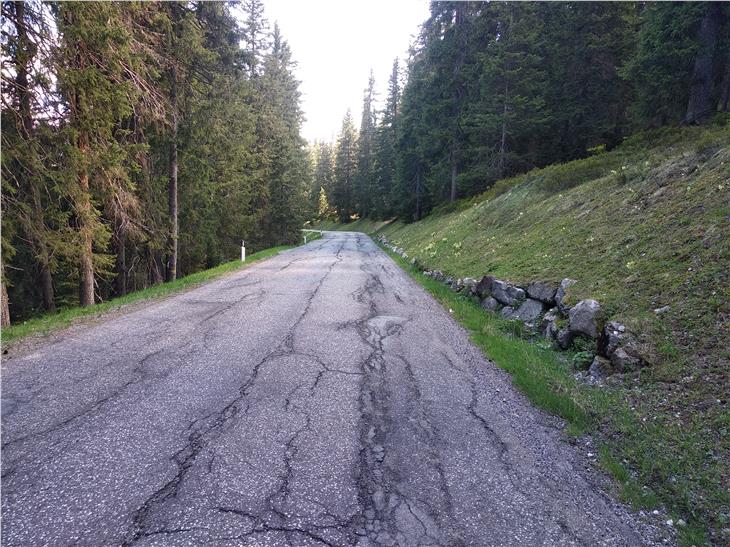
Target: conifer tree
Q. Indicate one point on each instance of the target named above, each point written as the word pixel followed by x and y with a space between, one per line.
pixel 289 162
pixel 365 152
pixel 24 171
pixel 323 179
pixel 386 138
pixel 345 170
pixel 98 58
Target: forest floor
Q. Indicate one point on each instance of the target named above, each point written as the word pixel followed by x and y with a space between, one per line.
pixel 641 227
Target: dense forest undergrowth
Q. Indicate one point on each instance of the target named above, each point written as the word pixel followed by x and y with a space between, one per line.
pixel 644 226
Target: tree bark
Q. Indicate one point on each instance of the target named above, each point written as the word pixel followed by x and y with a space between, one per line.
pixel 34 224
pixel 5 311
pixel 700 106
pixel 120 283
pixel 82 199
pixel 84 212
pixel 154 266
pixel 47 288
pixel 84 215
pixel 172 186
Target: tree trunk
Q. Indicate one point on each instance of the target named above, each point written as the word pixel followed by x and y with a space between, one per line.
pixel 82 198
pixel 172 187
pixel 4 306
pixel 33 225
pixel 157 266
pixel 120 283
pixel 700 107
pixel 47 288
pixel 86 262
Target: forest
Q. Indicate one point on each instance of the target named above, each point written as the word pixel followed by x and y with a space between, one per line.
pixel 142 141
pixel 494 89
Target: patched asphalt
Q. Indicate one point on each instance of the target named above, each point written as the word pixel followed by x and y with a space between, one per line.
pixel 319 397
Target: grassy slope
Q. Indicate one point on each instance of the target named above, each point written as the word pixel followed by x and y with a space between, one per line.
pixel 64 318
pixel 644 226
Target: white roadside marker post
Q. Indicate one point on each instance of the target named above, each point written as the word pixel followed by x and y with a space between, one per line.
pixel 243 250
pixel 305 239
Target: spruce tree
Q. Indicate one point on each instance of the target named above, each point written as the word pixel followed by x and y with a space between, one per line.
pixel 345 170
pixel 386 139
pixel 365 153
pixel 98 55
pixel 323 179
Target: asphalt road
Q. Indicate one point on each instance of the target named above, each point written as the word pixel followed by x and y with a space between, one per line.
pixel 319 397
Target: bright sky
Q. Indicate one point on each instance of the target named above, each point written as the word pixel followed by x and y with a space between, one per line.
pixel 336 43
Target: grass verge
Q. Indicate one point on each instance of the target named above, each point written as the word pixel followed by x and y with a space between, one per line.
pixel 634 451
pixel 66 317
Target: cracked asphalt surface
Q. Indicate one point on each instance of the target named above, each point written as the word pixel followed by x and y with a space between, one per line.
pixel 319 397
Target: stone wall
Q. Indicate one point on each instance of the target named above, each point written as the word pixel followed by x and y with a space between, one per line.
pixel 542 308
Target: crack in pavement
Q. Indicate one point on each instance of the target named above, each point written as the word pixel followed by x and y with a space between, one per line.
pixel 201 436
pixel 318 398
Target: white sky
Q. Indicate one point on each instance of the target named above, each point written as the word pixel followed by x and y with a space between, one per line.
pixel 335 44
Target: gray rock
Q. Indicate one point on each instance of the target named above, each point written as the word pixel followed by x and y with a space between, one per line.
pixel 450 281
pixel 508 313
pixel 560 293
pixel 484 286
pixel 600 368
pixel 438 275
pixel 610 338
pixel 507 294
pixel 549 324
pixel 490 304
pixel 585 318
pixel 619 345
pixel 624 361
pixel 544 291
pixel 564 338
pixel 663 309
pixel 529 311
pixel 469 285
